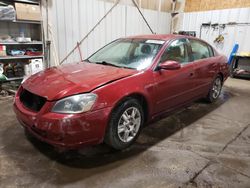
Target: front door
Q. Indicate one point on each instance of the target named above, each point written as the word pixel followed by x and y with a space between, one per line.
pixel 174 87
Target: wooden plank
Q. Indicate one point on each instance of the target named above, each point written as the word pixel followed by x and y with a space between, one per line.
pixel 166 5
pixel 205 5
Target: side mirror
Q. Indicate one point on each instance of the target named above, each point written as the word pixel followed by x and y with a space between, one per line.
pixel 170 65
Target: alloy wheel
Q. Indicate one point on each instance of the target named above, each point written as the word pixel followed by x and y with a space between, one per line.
pixel 129 124
pixel 216 88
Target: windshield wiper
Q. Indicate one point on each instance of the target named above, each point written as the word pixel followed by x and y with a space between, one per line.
pixel 106 63
pixel 87 60
pixel 109 64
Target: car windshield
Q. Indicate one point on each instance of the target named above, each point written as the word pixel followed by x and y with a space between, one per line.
pixel 128 53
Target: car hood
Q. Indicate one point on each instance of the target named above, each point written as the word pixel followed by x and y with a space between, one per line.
pixel 58 82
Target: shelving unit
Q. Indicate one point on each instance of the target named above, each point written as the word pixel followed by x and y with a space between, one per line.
pixel 13 28
pixel 27 1
pixel 19 57
pixel 22 22
pixel 18 43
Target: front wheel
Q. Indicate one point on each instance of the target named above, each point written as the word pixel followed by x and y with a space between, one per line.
pixel 124 125
pixel 215 90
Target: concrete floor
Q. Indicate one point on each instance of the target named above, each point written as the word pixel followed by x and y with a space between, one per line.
pixel 204 145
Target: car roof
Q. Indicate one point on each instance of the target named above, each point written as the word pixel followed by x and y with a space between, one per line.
pixel 164 37
pixel 167 37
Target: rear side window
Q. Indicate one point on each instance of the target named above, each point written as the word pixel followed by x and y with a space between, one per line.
pixel 199 50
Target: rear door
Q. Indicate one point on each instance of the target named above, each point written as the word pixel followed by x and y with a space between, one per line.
pixel 204 63
pixel 174 87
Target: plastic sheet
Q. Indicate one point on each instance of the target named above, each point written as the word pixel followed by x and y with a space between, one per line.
pixel 7 13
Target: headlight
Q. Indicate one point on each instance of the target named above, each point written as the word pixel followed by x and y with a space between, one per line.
pixel 75 104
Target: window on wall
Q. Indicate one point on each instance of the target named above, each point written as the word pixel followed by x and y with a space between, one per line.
pixel 176 51
pixel 199 50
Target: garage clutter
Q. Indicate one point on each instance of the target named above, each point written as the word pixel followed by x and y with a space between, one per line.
pixel 13 70
pixel 22 11
pixel 240 65
pixel 21 42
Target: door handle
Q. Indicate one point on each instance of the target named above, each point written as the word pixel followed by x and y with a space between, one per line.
pixel 214 65
pixel 191 74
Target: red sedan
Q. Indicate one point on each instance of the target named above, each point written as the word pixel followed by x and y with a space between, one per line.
pixel 112 94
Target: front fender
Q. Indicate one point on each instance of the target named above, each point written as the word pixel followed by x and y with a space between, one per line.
pixel 111 94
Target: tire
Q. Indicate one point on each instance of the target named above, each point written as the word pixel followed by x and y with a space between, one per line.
pixel 125 124
pixel 215 90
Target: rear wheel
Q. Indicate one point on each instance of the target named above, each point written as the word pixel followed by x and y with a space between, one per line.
pixel 125 124
pixel 215 90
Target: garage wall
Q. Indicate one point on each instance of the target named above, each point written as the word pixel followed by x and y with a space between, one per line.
pixel 232 34
pixel 71 20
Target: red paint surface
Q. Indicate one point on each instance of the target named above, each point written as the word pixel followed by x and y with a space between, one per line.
pixel 164 90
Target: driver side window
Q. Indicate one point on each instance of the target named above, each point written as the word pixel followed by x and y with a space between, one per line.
pixel 176 51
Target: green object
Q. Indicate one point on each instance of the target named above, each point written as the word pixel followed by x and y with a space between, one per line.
pixel 3 77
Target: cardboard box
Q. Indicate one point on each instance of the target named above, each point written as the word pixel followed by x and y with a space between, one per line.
pixel 28 12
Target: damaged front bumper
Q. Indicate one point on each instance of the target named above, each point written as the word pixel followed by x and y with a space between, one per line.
pixel 70 131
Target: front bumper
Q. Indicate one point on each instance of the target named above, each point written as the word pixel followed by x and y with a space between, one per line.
pixel 69 131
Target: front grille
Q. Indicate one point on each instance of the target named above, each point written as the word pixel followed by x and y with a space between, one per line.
pixel 32 101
